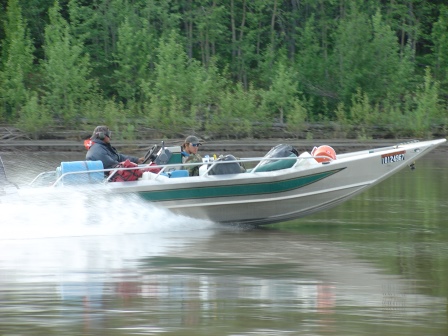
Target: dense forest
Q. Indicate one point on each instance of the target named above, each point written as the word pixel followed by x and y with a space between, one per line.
pixel 225 68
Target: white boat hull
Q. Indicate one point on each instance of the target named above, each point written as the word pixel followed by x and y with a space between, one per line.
pixel 287 194
pixel 274 196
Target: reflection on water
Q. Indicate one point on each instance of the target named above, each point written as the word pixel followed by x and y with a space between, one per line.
pixel 248 281
pixel 83 266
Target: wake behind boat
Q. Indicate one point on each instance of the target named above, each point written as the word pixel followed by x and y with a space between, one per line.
pixel 280 186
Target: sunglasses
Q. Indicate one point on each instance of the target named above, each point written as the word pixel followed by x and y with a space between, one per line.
pixel 196 145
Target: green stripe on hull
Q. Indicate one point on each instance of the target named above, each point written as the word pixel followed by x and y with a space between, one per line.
pixel 235 190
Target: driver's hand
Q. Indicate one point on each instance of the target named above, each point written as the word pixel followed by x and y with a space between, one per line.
pixel 140 160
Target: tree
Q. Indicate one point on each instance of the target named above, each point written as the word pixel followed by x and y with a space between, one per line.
pixel 133 58
pixel 440 48
pixel 205 29
pixel 368 58
pixel 234 115
pixel 16 65
pixel 34 116
pixel 391 73
pixel 427 109
pixel 280 98
pixel 313 69
pixel 170 93
pixel 35 14
pixel 335 49
pixel 247 22
pixel 353 58
pixel 65 69
pixel 402 16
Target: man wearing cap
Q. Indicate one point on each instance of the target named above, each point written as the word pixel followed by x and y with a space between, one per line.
pixel 101 149
pixel 190 154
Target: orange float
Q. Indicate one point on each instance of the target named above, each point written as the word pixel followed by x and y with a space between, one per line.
pixel 323 153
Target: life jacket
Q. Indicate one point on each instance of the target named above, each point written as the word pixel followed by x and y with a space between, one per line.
pixel 152 170
pixel 126 175
pixel 88 143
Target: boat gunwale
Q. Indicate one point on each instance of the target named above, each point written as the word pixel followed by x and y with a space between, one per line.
pixel 341 158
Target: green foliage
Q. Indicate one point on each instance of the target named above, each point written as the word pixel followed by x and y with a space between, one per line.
pixel 16 63
pixel 65 69
pixel 296 118
pixel 311 61
pixel 179 64
pixel 171 94
pixel 439 37
pixel 341 115
pixel 391 73
pixel 360 110
pixel 167 115
pixel 117 117
pixel 183 91
pixel 369 58
pixel 206 29
pixel 282 93
pixel 394 119
pixel 353 54
pixel 427 109
pixel 34 117
pixel 234 115
pixel 133 56
pixel 206 85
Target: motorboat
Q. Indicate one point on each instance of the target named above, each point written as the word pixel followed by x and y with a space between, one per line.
pixel 280 186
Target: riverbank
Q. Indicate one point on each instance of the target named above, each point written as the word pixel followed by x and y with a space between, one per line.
pixel 63 140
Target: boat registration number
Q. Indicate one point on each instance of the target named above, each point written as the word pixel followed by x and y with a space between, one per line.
pixel 393 157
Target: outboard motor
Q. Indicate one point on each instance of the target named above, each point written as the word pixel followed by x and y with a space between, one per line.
pixel 279 151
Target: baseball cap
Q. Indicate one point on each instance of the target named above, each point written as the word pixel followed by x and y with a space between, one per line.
pixel 193 139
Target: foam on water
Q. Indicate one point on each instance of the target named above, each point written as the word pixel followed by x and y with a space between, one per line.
pixel 75 214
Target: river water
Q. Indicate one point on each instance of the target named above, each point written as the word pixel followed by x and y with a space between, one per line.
pixel 376 265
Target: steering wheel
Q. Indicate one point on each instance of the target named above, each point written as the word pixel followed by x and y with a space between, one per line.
pixel 149 154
